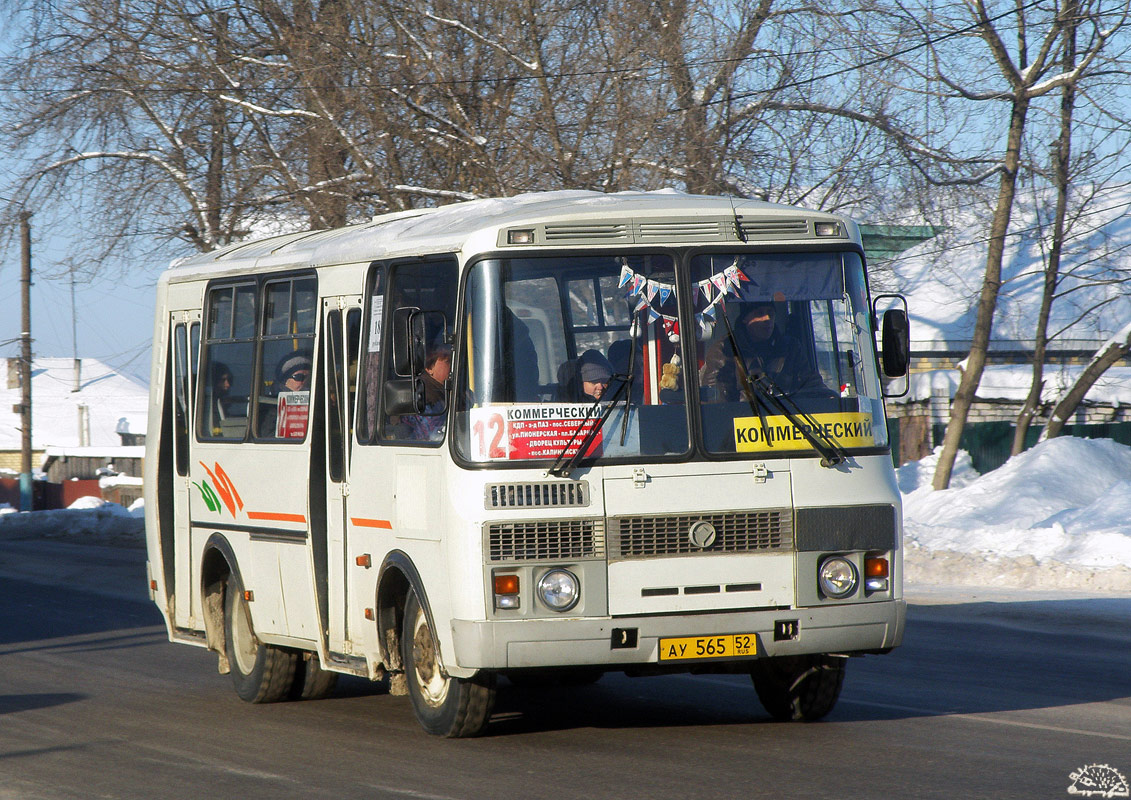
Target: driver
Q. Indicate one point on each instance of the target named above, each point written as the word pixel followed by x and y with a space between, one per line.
pixel 765 350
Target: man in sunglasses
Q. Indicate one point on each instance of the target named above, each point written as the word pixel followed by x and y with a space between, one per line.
pixel 291 375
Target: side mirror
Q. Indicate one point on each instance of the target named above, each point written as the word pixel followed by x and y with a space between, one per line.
pixel 896 343
pixel 403 396
pixel 408 341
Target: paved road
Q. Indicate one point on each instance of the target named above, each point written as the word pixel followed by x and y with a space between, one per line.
pixel 985 700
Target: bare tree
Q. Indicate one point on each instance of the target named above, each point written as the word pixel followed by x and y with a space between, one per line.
pixel 1113 351
pixel 1025 75
pixel 1061 158
pixel 1078 181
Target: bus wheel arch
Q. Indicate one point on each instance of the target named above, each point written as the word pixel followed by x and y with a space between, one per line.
pixel 216 567
pixel 397 579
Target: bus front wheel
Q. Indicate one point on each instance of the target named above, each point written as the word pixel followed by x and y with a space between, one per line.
pixel 261 672
pixel 444 706
pixel 799 688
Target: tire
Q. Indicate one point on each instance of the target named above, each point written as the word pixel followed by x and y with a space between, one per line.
pixel 799 688
pixel 261 672
pixel 311 681
pixel 444 706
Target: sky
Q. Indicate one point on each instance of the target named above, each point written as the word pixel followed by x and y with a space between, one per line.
pixel 114 313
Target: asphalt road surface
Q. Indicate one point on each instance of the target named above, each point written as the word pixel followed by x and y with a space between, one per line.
pixel 985 699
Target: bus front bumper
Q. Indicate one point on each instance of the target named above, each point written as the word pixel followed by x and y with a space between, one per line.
pixel 521 644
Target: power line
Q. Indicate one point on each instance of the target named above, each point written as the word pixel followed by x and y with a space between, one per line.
pixel 930 42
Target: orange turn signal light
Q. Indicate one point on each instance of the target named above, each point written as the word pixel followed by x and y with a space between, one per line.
pixel 506 584
pixel 875 567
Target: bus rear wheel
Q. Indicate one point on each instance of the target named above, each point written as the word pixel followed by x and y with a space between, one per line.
pixel 261 672
pixel 799 688
pixel 444 706
pixel 311 681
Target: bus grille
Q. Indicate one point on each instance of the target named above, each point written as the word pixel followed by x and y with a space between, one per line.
pixel 567 494
pixel 735 532
pixel 773 228
pixel 693 230
pixel 538 540
pixel 588 231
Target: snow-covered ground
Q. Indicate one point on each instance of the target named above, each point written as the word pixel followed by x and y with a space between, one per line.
pixel 1057 517
pixel 89 519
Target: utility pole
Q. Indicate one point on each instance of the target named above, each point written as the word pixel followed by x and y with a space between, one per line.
pixel 75 336
pixel 26 495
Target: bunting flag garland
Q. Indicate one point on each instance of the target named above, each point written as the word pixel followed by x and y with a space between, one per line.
pixel 714 289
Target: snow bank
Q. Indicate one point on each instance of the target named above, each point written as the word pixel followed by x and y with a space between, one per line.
pixel 1056 516
pixel 89 519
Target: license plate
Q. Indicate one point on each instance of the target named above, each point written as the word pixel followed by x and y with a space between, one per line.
pixel 731 645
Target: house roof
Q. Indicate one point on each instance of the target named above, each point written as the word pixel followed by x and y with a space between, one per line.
pixel 115 402
pixel 942 278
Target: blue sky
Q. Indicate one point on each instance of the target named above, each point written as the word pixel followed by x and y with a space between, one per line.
pixel 114 314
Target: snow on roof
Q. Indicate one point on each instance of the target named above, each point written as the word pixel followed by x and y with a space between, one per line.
pixel 116 402
pixel 942 278
pixel 451 228
pixel 1011 382
pixel 119 451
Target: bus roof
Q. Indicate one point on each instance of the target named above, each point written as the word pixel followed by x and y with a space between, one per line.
pixel 564 218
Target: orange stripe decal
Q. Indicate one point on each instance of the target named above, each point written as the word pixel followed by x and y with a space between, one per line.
pixel 363 522
pixel 273 517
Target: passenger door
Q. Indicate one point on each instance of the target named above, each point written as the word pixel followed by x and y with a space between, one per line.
pixel 185 329
pixel 341 324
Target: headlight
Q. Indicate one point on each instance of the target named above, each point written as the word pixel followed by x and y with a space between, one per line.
pixel 559 590
pixel 837 577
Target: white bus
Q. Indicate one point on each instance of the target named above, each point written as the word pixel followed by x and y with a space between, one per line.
pixel 380 451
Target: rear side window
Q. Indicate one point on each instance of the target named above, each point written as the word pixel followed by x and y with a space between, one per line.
pixel 257 360
pixel 229 362
pixel 286 358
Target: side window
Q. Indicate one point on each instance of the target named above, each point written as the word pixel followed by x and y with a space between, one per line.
pixel 353 345
pixel 181 395
pixel 286 350
pixel 370 379
pixel 194 355
pixel 430 287
pixel 228 361
pixel 335 406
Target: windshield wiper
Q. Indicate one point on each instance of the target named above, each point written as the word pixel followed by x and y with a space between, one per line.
pixel 769 395
pixel 831 452
pixel 563 465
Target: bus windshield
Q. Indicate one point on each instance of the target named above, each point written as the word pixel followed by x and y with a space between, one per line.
pixel 785 348
pixel 778 342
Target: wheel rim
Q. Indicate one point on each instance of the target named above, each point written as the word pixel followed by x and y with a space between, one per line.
pixel 244 643
pixel 426 668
